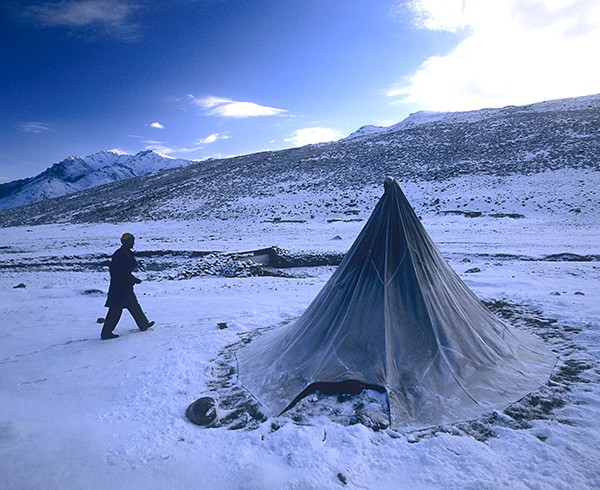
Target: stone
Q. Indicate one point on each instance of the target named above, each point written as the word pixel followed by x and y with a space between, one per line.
pixel 203 411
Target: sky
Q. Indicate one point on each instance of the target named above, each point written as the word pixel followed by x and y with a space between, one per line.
pixel 197 79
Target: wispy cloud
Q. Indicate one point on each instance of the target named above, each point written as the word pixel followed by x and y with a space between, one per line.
pixel 508 52
pixel 34 127
pixel 97 17
pixel 308 136
pixel 162 148
pixel 170 150
pixel 157 125
pixel 119 151
pixel 212 138
pixel 219 106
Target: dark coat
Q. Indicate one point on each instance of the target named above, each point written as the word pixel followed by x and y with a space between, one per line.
pixel 120 292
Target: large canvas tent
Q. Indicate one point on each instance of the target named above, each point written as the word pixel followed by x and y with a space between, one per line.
pixel 396 316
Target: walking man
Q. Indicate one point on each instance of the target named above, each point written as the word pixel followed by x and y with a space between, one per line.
pixel 120 291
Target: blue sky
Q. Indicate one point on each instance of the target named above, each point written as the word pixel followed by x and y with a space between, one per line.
pixel 215 78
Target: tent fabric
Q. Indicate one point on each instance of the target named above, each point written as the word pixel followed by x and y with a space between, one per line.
pixel 394 314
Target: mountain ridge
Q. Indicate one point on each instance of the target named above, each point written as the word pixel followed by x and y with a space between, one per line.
pixel 76 173
pixel 493 147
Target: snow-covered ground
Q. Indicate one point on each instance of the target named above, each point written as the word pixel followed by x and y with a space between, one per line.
pixel 77 412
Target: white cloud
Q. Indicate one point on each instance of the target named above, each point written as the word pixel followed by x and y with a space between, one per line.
pixel 119 151
pixel 308 136
pixel 511 52
pixel 445 15
pixel 111 17
pixel 157 125
pixel 34 127
pixel 218 106
pixel 212 138
pixel 163 149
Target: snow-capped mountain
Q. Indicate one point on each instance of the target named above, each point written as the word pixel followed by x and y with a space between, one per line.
pixel 516 157
pixel 76 173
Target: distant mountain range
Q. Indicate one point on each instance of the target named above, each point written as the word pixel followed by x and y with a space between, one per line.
pixel 504 159
pixel 74 174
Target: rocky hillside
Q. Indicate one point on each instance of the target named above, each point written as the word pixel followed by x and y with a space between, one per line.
pixel 502 151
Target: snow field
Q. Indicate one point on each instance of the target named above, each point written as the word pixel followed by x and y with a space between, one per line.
pixel 78 412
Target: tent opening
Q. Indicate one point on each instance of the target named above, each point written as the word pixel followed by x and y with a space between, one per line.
pixel 347 387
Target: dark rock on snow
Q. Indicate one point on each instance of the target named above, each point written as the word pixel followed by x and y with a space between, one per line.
pixel 203 411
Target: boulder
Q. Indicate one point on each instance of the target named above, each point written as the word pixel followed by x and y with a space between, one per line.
pixel 203 411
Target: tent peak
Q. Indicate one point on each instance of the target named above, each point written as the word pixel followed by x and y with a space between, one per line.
pixel 389 182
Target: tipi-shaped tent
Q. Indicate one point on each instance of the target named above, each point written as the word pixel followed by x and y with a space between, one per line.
pixel 396 316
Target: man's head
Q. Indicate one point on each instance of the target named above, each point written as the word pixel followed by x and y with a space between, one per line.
pixel 127 240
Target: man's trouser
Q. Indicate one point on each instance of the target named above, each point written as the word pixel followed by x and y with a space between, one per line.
pixel 114 315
